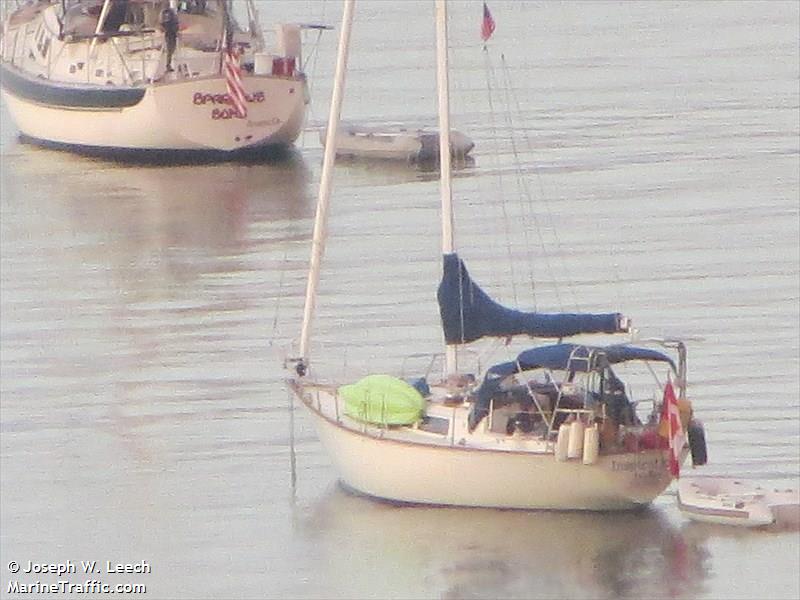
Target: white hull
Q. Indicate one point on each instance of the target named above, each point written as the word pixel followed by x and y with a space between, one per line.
pixel 441 474
pixel 725 501
pixel 395 143
pixel 169 118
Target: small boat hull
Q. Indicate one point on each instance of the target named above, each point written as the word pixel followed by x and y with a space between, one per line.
pixel 727 501
pixel 395 143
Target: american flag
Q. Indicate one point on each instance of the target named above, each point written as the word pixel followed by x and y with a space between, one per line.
pixel 487 27
pixel 671 414
pixel 233 79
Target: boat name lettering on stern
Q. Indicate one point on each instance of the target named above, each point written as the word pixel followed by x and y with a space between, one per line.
pixel 266 123
pixel 203 98
pixel 642 468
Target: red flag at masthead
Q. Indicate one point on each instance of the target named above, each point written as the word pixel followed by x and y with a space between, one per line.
pixel 487 26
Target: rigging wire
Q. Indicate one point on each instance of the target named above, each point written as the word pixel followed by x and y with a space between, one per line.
pixel 290 395
pixel 512 97
pixel 292 448
pixel 525 193
pixel 490 349
pixel 617 280
pixel 312 59
pixel 281 278
pixel 522 191
pixel 503 203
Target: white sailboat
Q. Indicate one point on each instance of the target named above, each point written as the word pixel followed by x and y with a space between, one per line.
pixel 552 429
pixel 150 76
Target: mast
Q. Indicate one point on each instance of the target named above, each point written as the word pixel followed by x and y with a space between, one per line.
pixel 321 218
pixel 443 87
pixel 101 22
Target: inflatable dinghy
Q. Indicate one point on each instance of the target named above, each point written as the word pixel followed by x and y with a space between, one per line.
pixel 729 501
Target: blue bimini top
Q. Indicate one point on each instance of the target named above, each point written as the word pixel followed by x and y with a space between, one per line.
pixel 567 357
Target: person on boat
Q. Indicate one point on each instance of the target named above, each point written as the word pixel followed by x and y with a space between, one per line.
pixel 170 25
pixel 620 408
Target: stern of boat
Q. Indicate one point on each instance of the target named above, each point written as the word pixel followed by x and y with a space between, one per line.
pixel 199 111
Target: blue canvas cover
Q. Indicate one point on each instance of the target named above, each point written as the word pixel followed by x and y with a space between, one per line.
pixel 469 314
pixel 567 357
pixel 575 357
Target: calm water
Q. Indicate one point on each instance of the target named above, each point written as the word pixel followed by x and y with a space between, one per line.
pixel 644 157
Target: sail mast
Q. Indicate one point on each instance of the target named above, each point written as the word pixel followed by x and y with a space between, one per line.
pixel 321 218
pixel 101 22
pixel 443 87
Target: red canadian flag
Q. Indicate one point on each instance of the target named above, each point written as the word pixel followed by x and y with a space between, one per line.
pixel 672 416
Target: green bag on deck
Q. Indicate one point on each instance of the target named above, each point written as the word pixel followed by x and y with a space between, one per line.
pixel 382 400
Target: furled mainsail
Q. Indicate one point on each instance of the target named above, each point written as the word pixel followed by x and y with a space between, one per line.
pixel 469 314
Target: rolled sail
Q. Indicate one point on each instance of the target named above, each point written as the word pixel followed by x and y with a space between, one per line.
pixel 469 314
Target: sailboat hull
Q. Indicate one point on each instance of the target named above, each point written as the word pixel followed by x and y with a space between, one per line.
pixel 467 476
pixel 175 116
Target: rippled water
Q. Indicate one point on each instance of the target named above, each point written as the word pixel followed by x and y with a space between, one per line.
pixel 649 162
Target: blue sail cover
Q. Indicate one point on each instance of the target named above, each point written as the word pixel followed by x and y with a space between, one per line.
pixel 469 314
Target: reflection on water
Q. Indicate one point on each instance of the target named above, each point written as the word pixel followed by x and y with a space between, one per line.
pixel 464 553
pixel 160 158
pixel 384 172
pixel 136 306
pixel 155 219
